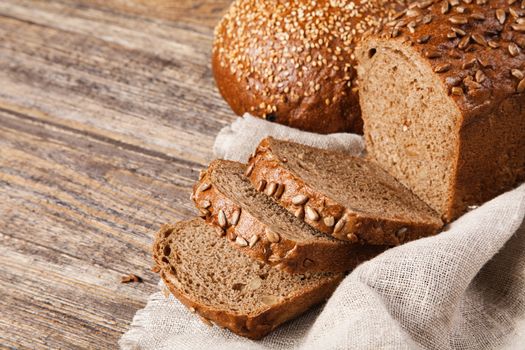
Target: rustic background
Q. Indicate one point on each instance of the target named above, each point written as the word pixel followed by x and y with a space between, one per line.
pixel 108 110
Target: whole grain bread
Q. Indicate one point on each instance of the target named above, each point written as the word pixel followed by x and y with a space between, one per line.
pixel 348 197
pixel 226 287
pixel 258 226
pixel 442 91
pixel 292 62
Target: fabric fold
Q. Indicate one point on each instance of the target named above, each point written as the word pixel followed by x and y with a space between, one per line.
pixel 462 289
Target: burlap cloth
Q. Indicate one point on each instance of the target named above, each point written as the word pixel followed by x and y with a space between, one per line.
pixel 462 289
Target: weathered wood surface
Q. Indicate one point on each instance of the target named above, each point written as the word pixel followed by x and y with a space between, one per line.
pixel 107 112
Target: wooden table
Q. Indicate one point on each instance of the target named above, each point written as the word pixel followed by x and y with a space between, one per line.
pixel 108 110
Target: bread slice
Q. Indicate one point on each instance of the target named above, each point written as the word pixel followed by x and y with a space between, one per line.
pixel 348 197
pixel 261 228
pixel 226 287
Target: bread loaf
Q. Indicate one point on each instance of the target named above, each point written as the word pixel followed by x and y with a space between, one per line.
pixel 226 287
pixel 261 228
pixel 292 62
pixel 442 96
pixel 344 196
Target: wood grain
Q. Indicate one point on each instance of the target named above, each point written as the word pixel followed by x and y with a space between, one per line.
pixel 108 110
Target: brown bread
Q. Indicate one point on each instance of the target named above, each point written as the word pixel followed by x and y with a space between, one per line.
pixel 348 197
pixel 442 93
pixel 292 62
pixel 261 228
pixel 226 287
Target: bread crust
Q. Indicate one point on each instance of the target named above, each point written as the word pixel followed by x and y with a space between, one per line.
pixel 323 255
pixel 478 56
pixel 358 227
pixel 254 326
pixel 306 81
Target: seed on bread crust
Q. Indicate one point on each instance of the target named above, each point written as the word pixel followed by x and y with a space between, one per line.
pixel 205 187
pixel 299 199
pixel 311 213
pixel 249 170
pixel 241 241
pixel 261 185
pixel 329 221
pixel 235 217
pixel 271 188
pixel 253 240
pixel 272 236
pixel 299 213
pixel 279 192
pixel 339 226
pixel 221 218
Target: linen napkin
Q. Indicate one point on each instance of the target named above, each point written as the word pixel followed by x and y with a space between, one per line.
pixel 462 289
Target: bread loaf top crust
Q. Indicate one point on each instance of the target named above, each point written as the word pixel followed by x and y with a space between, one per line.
pixel 293 61
pixel 474 46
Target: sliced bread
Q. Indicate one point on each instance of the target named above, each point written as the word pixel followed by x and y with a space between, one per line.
pixel 348 197
pixel 226 287
pixel 256 224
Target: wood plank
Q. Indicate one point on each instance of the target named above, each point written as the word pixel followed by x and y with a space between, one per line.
pixel 78 211
pixel 144 82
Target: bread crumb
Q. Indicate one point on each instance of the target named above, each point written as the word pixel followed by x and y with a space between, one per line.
pixel 131 278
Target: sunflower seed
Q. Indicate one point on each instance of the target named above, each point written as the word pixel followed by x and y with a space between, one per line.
pixel 221 218
pixel 516 73
pixel 493 44
pixel 441 68
pixel 339 226
pixel 480 76
pixel 274 258
pixel 478 16
pixel 249 170
pixel 458 31
pixel 458 19
pixel 329 221
pixel 424 39
pixel 521 86
pixel 299 199
pixel 205 187
pixel 456 90
pixel 514 50
pixel 241 241
pixel 270 189
pixel 299 213
pixel 253 240
pixel 444 7
pixel 205 204
pixel 271 236
pixel 311 213
pixel 469 64
pixel 400 234
pixel 518 27
pixel 463 43
pixel 478 38
pixel 432 54
pixel 254 284
pixel 351 237
pixel 279 192
pixel 501 16
pixel 269 299
pixel 261 185
pixel 235 217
